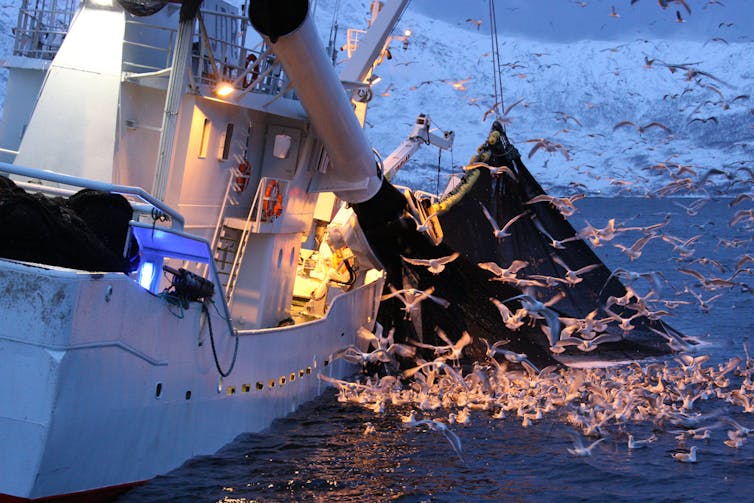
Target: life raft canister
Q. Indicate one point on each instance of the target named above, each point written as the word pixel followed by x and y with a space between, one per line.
pixel 272 206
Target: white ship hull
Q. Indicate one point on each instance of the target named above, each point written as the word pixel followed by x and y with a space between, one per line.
pixel 104 384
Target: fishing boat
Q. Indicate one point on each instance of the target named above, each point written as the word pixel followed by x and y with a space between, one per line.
pixel 134 339
pixel 193 224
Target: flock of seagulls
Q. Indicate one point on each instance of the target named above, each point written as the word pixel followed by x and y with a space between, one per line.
pixel 681 399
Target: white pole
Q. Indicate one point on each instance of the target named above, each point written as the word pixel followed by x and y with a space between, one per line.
pixel 172 103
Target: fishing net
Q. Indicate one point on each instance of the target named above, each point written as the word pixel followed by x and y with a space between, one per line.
pixel 469 288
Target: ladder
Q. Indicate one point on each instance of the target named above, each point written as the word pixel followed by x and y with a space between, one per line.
pixel 229 241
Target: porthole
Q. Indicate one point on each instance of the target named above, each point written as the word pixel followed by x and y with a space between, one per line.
pixel 188 395
pixel 158 390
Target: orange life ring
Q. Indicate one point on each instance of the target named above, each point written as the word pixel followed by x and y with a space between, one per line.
pixel 272 205
pixel 251 59
pixel 243 176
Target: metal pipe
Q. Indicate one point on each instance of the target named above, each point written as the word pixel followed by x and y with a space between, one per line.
pixel 289 30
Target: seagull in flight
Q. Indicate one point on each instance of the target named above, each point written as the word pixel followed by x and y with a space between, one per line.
pixel 435 425
pixel 558 244
pixel 411 297
pixel 580 450
pixel 497 231
pixel 434 265
pixel 541 309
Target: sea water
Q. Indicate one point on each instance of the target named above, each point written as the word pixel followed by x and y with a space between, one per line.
pixel 321 452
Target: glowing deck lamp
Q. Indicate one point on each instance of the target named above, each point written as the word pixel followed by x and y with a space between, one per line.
pixel 224 89
pixel 146 274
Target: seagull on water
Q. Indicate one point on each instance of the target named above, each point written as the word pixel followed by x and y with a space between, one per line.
pixel 637 444
pixel 686 457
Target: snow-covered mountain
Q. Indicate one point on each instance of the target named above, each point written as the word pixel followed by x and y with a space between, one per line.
pixel 566 97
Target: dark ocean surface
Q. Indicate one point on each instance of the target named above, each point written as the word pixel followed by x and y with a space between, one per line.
pixel 321 452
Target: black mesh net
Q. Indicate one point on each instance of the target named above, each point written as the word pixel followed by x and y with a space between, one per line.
pixel 86 231
pixel 544 239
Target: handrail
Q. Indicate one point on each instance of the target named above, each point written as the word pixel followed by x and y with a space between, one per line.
pixel 177 220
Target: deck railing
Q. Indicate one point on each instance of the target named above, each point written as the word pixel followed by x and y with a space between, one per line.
pixel 224 49
pixel 42 26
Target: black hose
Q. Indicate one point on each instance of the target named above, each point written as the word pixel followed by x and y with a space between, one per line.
pixel 205 310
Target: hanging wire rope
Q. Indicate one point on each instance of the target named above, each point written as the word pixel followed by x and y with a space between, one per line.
pixel 332 39
pixel 496 64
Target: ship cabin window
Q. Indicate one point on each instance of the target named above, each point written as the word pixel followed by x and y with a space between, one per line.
pixel 293 255
pixel 280 258
pixel 226 142
pixel 206 128
pixel 282 146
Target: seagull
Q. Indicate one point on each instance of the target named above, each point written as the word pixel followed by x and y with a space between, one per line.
pixel 587 345
pixel 555 243
pixel 506 275
pixel 434 425
pixel 422 226
pixel 451 351
pixel 511 321
pixel 686 457
pixel 476 22
pixel 563 204
pixel 542 309
pixel 652 276
pixel 434 265
pixel 494 170
pixel 514 358
pixel 580 450
pixel 634 251
pixel 637 444
pixel 411 297
pixel 642 129
pixel 574 277
pixel 499 233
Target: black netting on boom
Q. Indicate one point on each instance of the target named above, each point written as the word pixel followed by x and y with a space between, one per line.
pixel 468 287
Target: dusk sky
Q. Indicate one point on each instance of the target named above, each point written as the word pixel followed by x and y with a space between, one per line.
pixel 565 20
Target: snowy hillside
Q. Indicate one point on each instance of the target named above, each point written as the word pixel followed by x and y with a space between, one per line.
pixel 569 94
pixel 573 95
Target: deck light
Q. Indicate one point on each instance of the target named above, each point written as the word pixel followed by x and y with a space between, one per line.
pixel 146 274
pixel 223 89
